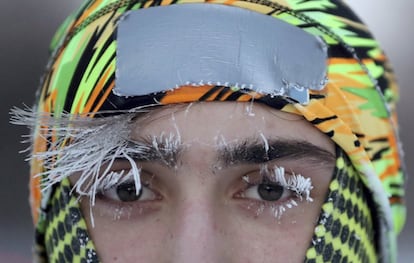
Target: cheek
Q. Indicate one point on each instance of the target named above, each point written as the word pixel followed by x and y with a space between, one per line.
pixel 124 240
pixel 234 233
pixel 267 239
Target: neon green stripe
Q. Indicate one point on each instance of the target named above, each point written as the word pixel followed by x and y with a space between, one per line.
pixel 373 101
pixel 399 214
pixel 328 20
pixel 92 75
pixel 136 6
pixel 300 4
pixel 65 71
pixel 398 180
pixel 288 18
pixel 375 52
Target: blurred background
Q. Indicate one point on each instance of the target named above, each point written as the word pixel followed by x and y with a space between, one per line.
pixel 26 28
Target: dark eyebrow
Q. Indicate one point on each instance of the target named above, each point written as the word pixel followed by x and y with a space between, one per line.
pixel 255 151
pixel 154 150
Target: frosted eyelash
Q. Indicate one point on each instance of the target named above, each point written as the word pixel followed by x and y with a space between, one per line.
pixel 300 185
pixel 81 145
pixel 114 178
pixel 296 183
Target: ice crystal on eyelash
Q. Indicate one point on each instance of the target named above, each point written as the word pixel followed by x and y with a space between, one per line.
pixel 121 212
pixel 295 182
pixel 278 210
pixel 84 149
pixel 260 210
pixel 82 146
pixel 114 178
pixel 300 185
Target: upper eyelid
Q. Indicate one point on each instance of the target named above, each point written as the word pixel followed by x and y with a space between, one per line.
pixel 118 165
pixel 146 178
pixel 255 176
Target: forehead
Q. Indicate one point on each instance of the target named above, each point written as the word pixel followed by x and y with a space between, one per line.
pixel 211 122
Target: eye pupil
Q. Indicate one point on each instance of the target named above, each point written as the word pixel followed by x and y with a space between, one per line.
pixel 127 192
pixel 270 192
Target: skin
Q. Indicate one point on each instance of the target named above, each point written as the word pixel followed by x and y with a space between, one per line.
pixel 198 207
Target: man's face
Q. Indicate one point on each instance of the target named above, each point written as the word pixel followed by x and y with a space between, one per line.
pixel 223 182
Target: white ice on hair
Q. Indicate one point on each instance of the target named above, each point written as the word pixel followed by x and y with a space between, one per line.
pixel 266 143
pixel 177 138
pixel 249 108
pixel 84 147
pixel 295 182
pixel 166 146
pixel 187 109
pixel 221 141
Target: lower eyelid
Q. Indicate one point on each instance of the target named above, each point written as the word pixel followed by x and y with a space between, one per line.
pixel 241 197
pixel 115 210
pixel 274 209
pixel 155 195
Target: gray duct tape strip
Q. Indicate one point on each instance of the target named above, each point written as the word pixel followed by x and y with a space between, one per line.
pixel 160 48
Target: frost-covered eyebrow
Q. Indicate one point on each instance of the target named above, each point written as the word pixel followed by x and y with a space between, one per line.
pixel 168 150
pixel 259 151
pixel 164 150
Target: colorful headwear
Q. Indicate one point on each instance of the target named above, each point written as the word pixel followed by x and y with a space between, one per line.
pixel 350 96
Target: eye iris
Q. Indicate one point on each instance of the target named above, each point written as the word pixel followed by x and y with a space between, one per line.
pixel 270 192
pixel 127 192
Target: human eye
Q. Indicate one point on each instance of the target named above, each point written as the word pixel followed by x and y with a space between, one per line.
pixel 275 190
pixel 267 190
pixel 119 196
pixel 128 192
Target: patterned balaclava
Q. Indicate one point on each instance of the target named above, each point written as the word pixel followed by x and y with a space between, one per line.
pixel 314 58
